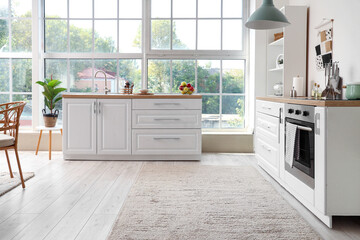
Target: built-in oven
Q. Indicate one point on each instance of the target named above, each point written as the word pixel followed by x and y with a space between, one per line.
pixel 300 142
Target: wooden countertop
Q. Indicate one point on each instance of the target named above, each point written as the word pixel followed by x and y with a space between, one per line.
pixel 130 96
pixel 312 101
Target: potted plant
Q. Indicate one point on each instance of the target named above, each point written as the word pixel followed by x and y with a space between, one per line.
pixel 52 96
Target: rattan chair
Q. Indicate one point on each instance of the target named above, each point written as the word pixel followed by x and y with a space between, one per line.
pixel 9 129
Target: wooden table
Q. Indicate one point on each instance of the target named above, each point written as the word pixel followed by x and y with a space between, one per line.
pixel 50 129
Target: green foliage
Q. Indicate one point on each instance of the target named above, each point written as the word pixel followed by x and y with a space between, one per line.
pixel 51 92
pixel 233 81
pixel 131 70
pixel 4 33
pixel 238 121
pixel 183 71
pixel 208 79
pixel 21 39
pixel 210 104
pixel 159 76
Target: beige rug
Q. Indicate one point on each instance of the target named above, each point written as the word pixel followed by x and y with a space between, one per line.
pixel 191 201
pixel 7 183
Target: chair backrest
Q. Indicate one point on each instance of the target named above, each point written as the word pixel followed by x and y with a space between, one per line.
pixel 10 114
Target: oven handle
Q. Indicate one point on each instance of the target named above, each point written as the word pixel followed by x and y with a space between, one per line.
pixel 305 128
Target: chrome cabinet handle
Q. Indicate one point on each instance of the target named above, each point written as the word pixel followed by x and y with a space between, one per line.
pixel 166 119
pixel 95 107
pixel 268 108
pixel 267 149
pixel 99 108
pixel 280 121
pixel 317 123
pixel 166 103
pixel 166 138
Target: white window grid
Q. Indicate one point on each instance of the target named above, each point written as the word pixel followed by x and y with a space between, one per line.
pixel 147 53
pixel 10 55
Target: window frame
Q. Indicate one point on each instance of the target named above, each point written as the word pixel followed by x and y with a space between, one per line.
pixel 10 56
pixel 39 55
pixel 203 55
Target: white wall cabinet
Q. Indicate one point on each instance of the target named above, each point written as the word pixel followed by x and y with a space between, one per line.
pixel 132 129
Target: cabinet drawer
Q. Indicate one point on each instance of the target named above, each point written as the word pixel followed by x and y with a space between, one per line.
pixel 166 119
pixel 269 153
pixel 270 108
pixel 166 141
pixel 268 126
pixel 174 104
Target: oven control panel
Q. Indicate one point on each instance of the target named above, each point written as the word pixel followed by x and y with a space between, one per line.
pixel 300 112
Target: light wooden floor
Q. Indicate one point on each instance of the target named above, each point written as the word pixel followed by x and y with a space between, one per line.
pixel 81 199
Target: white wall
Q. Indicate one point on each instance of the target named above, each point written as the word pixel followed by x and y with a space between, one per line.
pixel 346 43
pixel 211 142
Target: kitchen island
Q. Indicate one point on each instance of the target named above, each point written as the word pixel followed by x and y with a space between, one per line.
pixel 327 181
pixel 131 127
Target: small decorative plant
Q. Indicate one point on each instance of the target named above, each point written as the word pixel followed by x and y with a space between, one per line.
pixel 186 88
pixel 52 96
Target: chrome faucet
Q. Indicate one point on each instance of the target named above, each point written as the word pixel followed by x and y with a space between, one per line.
pixel 106 89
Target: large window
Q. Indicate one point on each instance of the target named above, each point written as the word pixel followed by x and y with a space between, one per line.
pixel 221 82
pixel 155 44
pixel 82 37
pixel 210 30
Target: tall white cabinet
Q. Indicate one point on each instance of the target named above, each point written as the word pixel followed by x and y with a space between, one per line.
pixel 293 47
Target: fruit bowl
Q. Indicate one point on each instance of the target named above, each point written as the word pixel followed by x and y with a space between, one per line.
pixel 186 88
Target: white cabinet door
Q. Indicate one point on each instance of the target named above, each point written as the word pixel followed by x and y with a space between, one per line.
pixel 114 126
pixel 79 126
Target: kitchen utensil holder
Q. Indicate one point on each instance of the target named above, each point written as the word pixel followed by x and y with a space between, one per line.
pixel 127 90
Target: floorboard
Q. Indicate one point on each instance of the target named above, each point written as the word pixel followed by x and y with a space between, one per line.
pixel 81 199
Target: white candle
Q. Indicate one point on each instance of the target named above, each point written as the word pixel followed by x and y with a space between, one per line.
pixel 298 84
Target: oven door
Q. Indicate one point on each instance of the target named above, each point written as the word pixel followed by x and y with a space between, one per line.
pixel 304 161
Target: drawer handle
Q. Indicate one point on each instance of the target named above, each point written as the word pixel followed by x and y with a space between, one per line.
pixel 268 108
pixel 167 119
pixel 166 103
pixel 166 138
pixel 267 149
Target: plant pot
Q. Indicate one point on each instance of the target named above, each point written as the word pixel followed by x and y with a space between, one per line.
pixel 50 119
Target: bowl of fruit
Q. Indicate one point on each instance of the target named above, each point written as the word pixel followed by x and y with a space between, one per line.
pixel 186 88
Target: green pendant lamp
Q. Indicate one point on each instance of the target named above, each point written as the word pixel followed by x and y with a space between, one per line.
pixel 267 16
